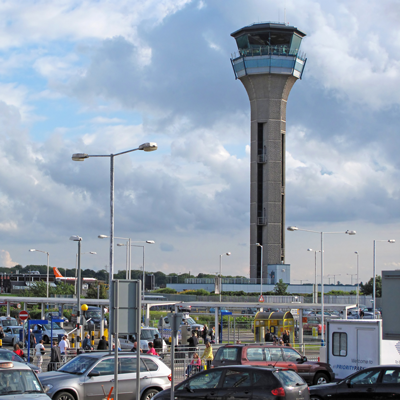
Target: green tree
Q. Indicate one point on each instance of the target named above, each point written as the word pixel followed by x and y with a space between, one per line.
pixel 165 290
pixel 63 288
pixel 96 290
pixel 280 288
pixel 37 289
pixel 368 287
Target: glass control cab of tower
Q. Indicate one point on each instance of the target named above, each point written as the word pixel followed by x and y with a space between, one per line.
pixel 277 45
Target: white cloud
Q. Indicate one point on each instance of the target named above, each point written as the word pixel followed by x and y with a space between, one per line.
pixel 6 260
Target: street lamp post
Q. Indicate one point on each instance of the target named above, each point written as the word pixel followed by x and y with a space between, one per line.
pixel 48 255
pixel 261 276
pixel 358 281
pixel 220 273
pixel 81 157
pixel 76 269
pixel 295 228
pixel 374 276
pixel 315 293
pixel 78 239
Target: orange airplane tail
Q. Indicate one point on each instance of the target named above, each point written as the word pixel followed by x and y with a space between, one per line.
pixel 57 273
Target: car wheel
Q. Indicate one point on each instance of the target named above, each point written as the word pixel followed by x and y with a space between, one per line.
pixel 320 378
pixel 64 396
pixel 46 339
pixel 314 398
pixel 149 394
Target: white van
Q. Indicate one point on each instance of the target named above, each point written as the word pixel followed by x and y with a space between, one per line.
pixel 8 321
pixel 355 344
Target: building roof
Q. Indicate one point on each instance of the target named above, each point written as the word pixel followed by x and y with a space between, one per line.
pixel 268 26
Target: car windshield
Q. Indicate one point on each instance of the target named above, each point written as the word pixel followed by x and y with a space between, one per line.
pixel 190 321
pixel 16 330
pixel 78 365
pixel 10 356
pixel 55 326
pixel 148 334
pixel 9 322
pixel 18 381
pixel 93 314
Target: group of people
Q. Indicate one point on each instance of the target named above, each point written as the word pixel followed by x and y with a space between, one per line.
pixel 284 340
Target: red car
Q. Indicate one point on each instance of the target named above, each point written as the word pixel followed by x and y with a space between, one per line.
pixel 274 356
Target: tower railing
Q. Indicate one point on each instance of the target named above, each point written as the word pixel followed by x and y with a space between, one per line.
pixel 269 51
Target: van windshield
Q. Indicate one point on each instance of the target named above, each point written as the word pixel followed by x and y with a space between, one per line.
pixel 190 321
pixel 93 314
pixel 148 334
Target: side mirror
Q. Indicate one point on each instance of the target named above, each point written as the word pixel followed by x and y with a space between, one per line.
pixel 188 388
pixel 93 373
pixel 348 383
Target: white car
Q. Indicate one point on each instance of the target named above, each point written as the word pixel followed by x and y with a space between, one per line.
pixel 46 331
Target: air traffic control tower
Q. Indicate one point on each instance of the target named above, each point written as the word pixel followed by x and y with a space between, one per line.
pixel 268 63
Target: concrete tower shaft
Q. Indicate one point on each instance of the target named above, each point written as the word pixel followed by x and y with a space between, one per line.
pixel 268 65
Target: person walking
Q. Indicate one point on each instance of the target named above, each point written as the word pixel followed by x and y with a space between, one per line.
pixel 103 344
pixel 63 347
pixel 204 333
pixel 158 343
pixel 39 353
pixel 18 351
pixel 86 344
pixel 193 342
pixel 208 355
pixel 268 337
pixel 151 350
pixel 55 357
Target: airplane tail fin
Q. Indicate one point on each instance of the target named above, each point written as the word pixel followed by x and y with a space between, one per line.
pixel 57 273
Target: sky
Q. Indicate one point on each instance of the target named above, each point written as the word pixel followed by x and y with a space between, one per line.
pixel 101 77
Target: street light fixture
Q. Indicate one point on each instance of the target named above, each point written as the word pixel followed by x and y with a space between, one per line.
pixel 220 273
pixel 48 255
pixel 261 276
pixel 374 276
pixel 348 232
pixel 150 146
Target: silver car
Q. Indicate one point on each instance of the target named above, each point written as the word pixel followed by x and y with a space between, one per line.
pixel 11 335
pixel 91 376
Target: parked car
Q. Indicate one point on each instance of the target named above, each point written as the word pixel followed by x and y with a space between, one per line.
pixel 249 310
pixel 90 375
pixel 8 321
pixel 147 335
pixel 274 356
pixel 11 335
pixel 381 382
pixel 17 381
pixel 313 322
pixel 212 310
pixel 7 355
pixel 240 382
pixel 46 331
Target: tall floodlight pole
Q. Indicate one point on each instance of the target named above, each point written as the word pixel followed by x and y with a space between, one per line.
pixel 295 228
pixel 220 273
pixel 81 157
pixel 48 266
pixel 374 273
pixel 315 293
pixel 358 281
pixel 78 239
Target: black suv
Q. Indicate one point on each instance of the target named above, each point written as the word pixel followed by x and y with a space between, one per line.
pixel 240 382
pixel 265 355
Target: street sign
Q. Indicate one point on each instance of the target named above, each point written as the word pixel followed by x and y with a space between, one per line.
pixel 18 305
pixel 261 299
pixel 23 315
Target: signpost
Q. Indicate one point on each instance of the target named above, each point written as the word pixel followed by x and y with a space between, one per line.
pixel 18 305
pixel 175 321
pixel 261 299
